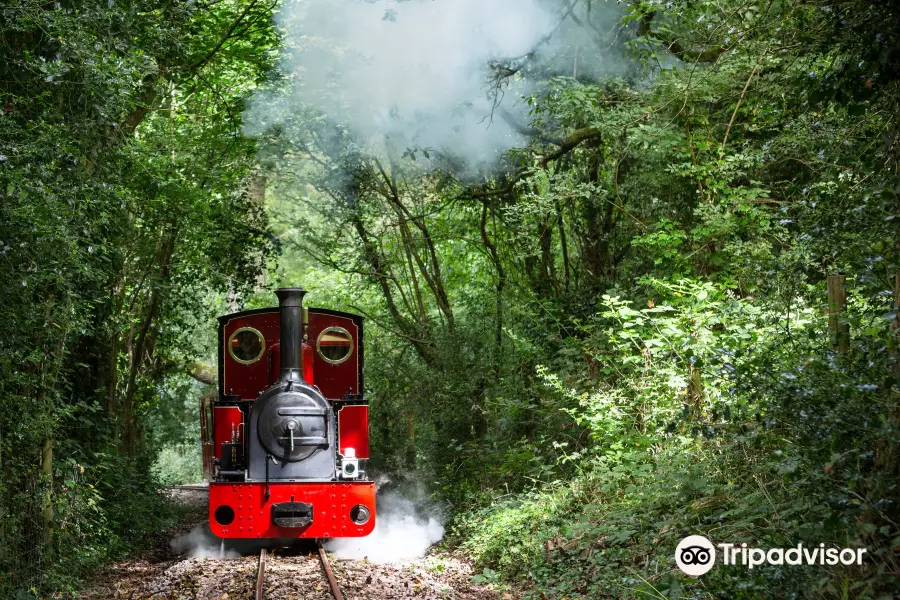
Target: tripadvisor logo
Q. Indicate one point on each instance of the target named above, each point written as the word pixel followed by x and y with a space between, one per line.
pixel 695 555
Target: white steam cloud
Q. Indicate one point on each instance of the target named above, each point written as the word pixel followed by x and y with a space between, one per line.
pixel 200 542
pixel 401 532
pixel 417 70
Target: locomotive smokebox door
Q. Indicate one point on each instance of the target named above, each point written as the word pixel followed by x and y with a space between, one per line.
pixel 293 427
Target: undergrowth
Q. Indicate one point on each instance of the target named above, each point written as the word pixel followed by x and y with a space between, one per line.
pixel 712 421
pixel 612 531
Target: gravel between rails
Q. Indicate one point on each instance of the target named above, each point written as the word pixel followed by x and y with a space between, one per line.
pixel 438 577
pixel 292 578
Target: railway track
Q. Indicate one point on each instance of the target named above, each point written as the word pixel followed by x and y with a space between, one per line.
pixel 326 567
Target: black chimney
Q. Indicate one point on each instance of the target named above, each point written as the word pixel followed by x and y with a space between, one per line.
pixel 291 303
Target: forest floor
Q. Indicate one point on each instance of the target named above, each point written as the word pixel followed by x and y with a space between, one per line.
pixel 188 568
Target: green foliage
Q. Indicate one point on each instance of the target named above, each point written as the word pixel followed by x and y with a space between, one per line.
pixel 125 211
pixel 749 459
pixel 179 465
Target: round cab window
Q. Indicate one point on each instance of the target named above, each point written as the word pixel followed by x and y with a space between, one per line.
pixel 246 345
pixel 335 345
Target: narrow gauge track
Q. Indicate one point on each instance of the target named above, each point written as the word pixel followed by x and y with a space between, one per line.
pixel 190 487
pixel 326 566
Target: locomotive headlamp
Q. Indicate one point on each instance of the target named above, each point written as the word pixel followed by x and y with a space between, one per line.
pixel 359 514
pixel 350 464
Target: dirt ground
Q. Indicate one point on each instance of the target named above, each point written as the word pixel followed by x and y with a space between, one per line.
pixel 229 573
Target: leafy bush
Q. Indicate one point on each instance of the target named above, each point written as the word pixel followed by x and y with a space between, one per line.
pixel 179 464
pixel 709 418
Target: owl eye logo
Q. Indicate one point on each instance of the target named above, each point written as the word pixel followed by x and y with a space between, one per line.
pixel 695 555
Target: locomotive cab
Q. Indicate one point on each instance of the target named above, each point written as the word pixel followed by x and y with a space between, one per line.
pixel 286 440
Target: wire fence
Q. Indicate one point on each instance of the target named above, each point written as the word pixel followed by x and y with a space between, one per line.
pixel 23 548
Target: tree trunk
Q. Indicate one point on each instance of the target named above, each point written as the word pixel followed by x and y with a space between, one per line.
pixel 563 243
pixel 47 501
pixel 695 391
pixel 372 256
pixel 839 332
pixel 501 282
pixel 888 454
pixel 548 264
pixel 129 434
pixel 411 457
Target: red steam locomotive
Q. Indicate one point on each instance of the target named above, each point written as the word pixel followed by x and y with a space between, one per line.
pixel 287 440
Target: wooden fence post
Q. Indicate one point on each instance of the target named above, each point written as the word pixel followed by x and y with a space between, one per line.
pixel 839 333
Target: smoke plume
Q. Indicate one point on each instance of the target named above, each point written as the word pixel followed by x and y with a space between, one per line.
pixel 417 71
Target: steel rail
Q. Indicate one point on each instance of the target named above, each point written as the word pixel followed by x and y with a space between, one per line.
pixel 190 487
pixel 335 590
pixel 261 575
pixel 326 565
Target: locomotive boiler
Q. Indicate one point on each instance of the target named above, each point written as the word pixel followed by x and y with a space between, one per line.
pixel 286 441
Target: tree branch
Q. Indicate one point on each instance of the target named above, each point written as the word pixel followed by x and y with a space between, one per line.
pixel 224 39
pixel 572 142
pixel 530 132
pixel 675 46
pixel 389 329
pixel 738 106
pixel 202 372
